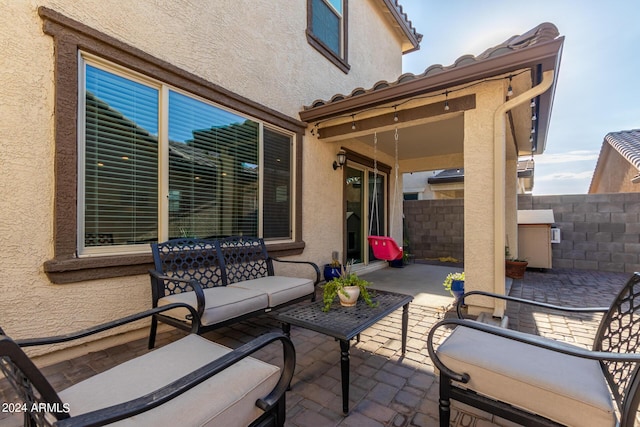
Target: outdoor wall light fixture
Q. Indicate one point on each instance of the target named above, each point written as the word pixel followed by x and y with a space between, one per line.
pixel 342 159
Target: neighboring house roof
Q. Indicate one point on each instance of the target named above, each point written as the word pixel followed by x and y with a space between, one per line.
pixel 447 176
pixel 404 26
pixel 606 175
pixel 627 143
pixel 525 171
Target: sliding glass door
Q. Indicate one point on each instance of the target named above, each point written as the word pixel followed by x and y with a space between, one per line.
pixel 365 209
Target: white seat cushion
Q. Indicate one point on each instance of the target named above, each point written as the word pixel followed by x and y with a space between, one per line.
pixel 567 389
pixel 280 289
pixel 221 303
pixel 226 399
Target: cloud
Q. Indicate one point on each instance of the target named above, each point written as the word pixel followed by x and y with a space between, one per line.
pixel 564 176
pixel 567 157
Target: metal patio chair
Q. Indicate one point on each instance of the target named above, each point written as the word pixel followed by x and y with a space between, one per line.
pixel 188 382
pixel 536 381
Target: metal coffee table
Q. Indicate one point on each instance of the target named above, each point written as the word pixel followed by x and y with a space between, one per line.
pixel 345 323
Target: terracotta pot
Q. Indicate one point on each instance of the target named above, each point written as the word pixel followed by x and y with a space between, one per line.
pixel 354 293
pixel 515 269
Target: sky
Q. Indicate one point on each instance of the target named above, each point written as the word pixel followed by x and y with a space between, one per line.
pixel 598 87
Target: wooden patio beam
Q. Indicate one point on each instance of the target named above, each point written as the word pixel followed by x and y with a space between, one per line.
pixel 467 102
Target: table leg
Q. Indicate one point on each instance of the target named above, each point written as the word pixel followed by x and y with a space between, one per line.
pixel 344 368
pixel 405 324
pixel 286 329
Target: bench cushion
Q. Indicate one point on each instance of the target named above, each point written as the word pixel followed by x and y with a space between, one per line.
pixel 281 289
pixel 221 303
pixel 567 389
pixel 226 399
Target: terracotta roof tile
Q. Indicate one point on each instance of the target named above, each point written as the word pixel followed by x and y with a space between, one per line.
pixel 627 143
pixel 542 33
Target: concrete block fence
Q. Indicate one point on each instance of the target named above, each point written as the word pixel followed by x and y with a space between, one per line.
pixel 598 231
pixel 435 228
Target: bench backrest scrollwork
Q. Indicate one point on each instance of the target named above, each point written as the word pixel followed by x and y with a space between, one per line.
pixel 244 258
pixel 191 259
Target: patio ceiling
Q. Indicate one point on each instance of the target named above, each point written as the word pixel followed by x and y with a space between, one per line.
pixel 426 128
pixel 437 138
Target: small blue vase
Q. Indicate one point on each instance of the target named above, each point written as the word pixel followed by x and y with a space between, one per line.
pixel 330 272
pixel 457 289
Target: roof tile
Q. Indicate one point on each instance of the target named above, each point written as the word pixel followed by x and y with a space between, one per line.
pixel 627 143
pixel 542 33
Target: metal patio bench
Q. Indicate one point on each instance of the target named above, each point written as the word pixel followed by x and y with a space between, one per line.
pixel 188 382
pixel 536 381
pixel 225 280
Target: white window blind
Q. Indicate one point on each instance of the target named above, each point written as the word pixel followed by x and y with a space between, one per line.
pixel 327 23
pixel 213 172
pixel 211 157
pixel 121 160
pixel 277 185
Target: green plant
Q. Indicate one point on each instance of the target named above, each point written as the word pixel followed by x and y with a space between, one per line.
pixel 450 278
pixel 337 285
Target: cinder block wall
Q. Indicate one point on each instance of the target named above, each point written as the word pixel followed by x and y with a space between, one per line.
pixel 598 231
pixel 435 228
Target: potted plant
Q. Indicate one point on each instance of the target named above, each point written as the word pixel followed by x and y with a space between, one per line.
pixel 348 287
pixel 332 270
pixel 514 268
pixel 454 283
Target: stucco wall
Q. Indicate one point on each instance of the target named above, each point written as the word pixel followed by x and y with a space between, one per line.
pixel 256 49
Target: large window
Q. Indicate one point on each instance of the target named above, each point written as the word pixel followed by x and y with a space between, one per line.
pixel 327 29
pixel 112 189
pixel 158 163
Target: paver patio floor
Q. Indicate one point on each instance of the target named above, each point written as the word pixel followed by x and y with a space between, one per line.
pixel 386 389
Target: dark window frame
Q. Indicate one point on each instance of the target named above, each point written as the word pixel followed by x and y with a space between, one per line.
pixel 69 38
pixel 340 61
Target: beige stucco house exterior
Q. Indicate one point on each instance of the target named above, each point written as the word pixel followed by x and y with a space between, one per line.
pixel 618 166
pixel 116 117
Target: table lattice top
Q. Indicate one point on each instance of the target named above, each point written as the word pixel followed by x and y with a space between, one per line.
pixel 344 322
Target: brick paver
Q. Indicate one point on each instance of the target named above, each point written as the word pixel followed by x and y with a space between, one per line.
pixel 386 389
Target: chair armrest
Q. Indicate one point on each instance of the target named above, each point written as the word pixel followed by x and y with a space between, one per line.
pixel 31 342
pixel 528 302
pixel 312 264
pixel 521 337
pixel 178 387
pixel 158 279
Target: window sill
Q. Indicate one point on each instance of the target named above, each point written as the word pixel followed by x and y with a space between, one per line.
pixel 328 53
pixel 73 270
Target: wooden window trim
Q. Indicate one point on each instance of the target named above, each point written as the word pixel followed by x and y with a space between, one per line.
pixel 70 37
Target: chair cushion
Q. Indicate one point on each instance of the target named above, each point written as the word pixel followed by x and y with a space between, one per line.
pixel 280 289
pixel 221 303
pixel 226 399
pixel 567 389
